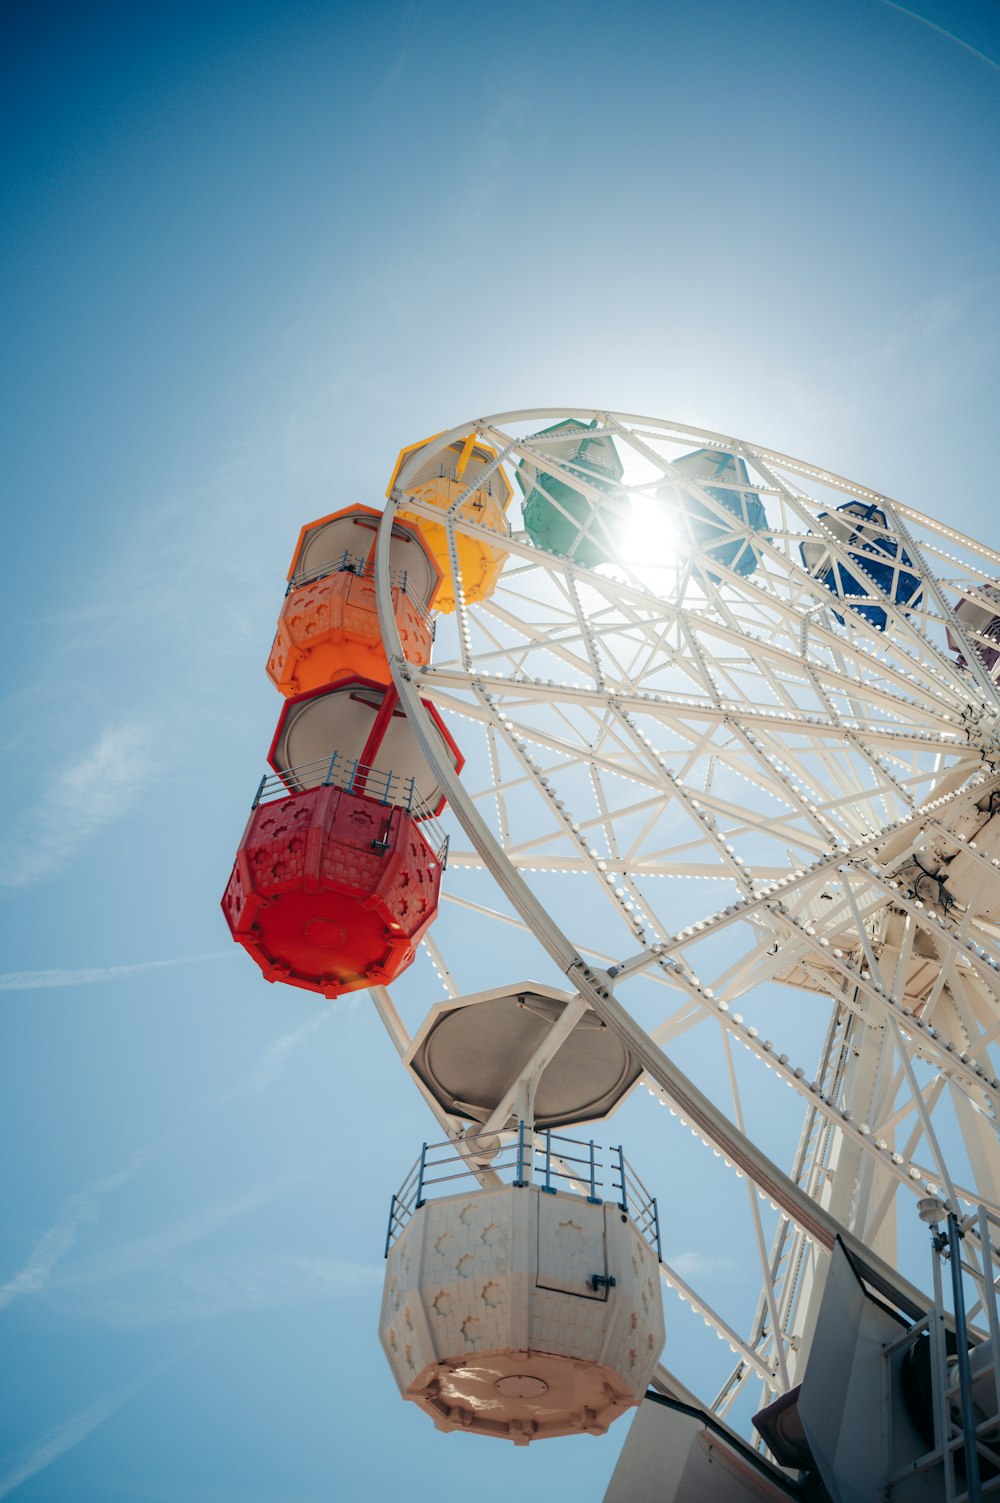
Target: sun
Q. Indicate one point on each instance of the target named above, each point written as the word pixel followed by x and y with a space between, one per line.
pixel 651 540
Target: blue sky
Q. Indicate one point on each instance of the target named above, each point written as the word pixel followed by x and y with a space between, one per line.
pixel 250 252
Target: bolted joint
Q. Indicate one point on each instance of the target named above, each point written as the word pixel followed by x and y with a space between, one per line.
pixel 598 980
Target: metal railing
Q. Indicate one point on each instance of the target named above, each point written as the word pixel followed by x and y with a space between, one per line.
pixel 965 1376
pixel 446 468
pixel 363 568
pixel 556 1164
pixel 381 785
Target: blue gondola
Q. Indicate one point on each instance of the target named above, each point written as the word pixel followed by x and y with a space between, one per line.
pixel 729 543
pixel 883 565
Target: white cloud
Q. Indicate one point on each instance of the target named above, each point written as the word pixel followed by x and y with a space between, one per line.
pixel 84 1207
pixel 163 1277
pixel 934 319
pixel 78 1211
pixel 209 1286
pixel 696 1265
pixel 27 981
pixel 184 1231
pixel 132 1282
pixel 939 314
pixel 78 802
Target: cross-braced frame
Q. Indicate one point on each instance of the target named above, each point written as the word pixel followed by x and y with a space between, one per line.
pixel 732 801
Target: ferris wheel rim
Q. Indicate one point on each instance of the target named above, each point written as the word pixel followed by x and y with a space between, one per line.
pixel 490 427
pixel 742 445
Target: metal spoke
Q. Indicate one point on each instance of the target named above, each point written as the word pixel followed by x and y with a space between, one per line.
pixel 816 739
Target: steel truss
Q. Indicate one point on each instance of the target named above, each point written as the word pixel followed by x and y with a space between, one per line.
pixel 659 722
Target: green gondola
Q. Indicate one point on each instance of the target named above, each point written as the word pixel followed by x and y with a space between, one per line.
pixel 561 518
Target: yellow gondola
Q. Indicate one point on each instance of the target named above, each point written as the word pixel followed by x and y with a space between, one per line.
pixel 465 468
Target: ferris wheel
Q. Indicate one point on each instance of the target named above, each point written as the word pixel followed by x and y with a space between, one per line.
pixel 728 772
pixel 749 742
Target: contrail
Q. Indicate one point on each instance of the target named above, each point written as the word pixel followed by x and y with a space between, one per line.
pixel 84 1207
pixel 966 46
pixel 60 1440
pixel 72 1431
pixel 274 1059
pixel 79 1210
pixel 27 981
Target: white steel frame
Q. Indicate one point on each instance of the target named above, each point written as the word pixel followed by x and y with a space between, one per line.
pixel 761 734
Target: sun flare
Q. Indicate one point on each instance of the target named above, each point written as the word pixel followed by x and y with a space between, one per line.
pixel 651 539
